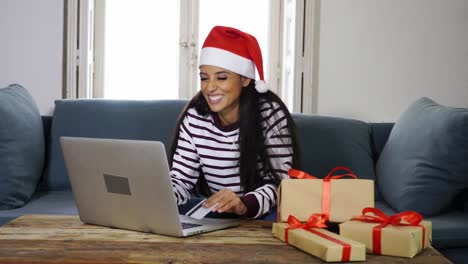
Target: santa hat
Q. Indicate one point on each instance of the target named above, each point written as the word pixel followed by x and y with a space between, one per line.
pixel 236 51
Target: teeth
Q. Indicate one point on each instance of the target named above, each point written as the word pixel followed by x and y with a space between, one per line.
pixel 215 97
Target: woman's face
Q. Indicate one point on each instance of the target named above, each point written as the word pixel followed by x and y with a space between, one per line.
pixel 221 89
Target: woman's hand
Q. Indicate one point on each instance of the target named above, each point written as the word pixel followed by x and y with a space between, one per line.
pixel 228 202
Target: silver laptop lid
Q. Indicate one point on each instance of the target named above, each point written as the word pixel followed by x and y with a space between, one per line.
pixel 122 183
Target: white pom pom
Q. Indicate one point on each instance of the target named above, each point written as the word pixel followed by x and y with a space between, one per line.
pixel 261 86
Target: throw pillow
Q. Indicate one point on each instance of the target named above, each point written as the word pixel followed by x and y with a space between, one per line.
pixel 424 163
pixel 21 146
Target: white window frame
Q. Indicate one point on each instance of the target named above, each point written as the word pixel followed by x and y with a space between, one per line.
pixel 306 50
pixel 71 89
pixel 188 48
pixel 99 36
pixel 275 46
pixel 80 49
pixel 311 56
pixel 298 57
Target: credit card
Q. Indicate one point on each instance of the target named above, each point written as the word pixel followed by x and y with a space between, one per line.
pixel 199 211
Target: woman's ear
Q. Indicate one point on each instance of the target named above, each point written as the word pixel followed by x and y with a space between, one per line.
pixel 245 81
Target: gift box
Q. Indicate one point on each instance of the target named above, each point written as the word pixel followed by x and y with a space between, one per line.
pixel 319 242
pixel 340 199
pixel 403 234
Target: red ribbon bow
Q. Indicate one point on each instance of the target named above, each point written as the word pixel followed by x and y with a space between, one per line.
pixel 315 220
pixel 326 186
pixel 412 218
pixel 318 221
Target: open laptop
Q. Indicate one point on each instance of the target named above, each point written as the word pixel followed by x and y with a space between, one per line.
pixel 126 184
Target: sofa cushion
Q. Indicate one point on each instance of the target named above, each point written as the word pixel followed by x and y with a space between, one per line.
pixel 53 202
pixel 448 229
pixel 456 255
pixel 424 164
pixel 4 220
pixel 326 142
pixel 119 119
pixel 21 146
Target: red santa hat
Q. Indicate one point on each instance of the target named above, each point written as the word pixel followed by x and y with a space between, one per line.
pixel 236 51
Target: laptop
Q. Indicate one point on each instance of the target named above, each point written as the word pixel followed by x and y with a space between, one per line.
pixel 126 184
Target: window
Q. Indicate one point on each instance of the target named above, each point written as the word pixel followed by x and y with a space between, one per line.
pixel 140 47
pixel 145 49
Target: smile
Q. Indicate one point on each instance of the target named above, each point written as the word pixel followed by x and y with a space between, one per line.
pixel 214 99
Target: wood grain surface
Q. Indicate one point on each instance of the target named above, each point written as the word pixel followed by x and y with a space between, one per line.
pixel 64 239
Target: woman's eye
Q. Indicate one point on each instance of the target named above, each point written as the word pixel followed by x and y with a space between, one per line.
pixel 222 78
pixel 203 78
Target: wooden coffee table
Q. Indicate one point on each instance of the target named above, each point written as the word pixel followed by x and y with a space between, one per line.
pixel 64 239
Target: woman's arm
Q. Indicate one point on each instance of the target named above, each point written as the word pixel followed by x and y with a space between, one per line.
pixel 185 164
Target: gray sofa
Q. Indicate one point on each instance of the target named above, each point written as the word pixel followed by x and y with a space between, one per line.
pixel 325 142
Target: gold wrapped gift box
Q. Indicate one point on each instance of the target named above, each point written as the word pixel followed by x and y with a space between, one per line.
pixel 401 241
pixel 325 245
pixel 303 197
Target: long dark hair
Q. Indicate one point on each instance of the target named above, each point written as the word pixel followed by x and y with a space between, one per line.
pixel 251 139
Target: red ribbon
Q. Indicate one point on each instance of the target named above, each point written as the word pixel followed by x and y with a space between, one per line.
pixel 326 185
pixel 412 218
pixel 315 220
pixel 318 221
pixel 300 174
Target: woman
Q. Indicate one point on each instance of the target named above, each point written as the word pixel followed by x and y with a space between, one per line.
pixel 236 140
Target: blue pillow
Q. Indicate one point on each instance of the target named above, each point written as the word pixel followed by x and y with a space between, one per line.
pixel 424 164
pixel 21 146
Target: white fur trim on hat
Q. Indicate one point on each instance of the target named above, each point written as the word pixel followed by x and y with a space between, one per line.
pixel 227 60
pixel 261 86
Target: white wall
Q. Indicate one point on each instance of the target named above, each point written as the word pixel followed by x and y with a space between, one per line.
pixel 31 47
pixel 376 56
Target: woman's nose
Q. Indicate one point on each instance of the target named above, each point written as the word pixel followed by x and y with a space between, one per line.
pixel 211 86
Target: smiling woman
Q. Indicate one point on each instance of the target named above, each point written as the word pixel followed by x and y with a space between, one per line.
pixel 236 139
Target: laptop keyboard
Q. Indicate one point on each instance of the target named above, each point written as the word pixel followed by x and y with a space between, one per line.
pixel 188 225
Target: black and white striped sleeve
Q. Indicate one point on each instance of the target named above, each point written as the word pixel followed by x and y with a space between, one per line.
pixel 185 164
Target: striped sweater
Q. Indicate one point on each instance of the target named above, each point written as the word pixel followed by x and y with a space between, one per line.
pixel 203 143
